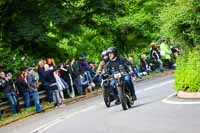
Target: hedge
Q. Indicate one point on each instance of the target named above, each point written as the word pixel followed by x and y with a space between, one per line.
pixel 187 75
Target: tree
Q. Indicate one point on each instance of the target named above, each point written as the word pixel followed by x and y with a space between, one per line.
pixel 180 22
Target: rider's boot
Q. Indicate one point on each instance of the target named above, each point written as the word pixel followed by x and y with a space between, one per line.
pixel 117 101
pixel 134 97
pixel 133 94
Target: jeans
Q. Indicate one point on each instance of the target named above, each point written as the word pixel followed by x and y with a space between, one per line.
pixel 11 96
pixel 57 98
pixel 136 71
pixel 26 99
pixel 85 86
pixel 160 64
pixel 113 89
pixel 89 80
pixel 97 79
pixel 36 101
pixel 89 77
pixel 78 85
pixel 49 92
pixel 128 82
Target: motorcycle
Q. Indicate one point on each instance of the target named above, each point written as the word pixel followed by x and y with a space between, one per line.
pixel 125 94
pixel 107 94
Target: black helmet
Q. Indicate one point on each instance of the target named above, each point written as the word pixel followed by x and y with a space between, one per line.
pixel 112 50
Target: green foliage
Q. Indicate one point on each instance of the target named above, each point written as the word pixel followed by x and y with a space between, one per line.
pixel 65 28
pixel 187 72
pixel 139 27
pixel 88 41
pixel 12 60
pixel 180 21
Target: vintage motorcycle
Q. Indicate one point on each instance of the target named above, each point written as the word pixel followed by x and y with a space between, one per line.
pixel 124 93
pixel 107 94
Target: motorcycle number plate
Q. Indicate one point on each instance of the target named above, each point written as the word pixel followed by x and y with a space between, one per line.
pixel 117 75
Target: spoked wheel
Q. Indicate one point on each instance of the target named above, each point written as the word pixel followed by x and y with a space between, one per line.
pixel 130 102
pixel 122 97
pixel 106 97
pixel 125 97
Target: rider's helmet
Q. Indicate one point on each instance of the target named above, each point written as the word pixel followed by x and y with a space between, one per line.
pixel 112 50
pixel 104 55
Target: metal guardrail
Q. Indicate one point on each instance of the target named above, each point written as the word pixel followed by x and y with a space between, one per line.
pixel 5 107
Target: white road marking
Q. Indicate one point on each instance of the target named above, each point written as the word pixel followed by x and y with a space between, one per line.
pixel 54 122
pixel 102 103
pixel 43 126
pixel 177 102
pixel 155 86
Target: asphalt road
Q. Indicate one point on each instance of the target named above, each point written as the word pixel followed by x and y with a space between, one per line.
pixel 157 110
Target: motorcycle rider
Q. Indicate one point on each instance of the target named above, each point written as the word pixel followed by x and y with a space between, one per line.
pixel 102 65
pixel 113 65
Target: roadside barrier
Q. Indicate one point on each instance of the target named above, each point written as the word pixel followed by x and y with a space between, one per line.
pixel 5 109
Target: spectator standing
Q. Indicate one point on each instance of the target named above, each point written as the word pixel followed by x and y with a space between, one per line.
pixel 23 87
pixel 155 55
pixel 74 70
pixel 166 53
pixel 45 84
pixel 175 51
pixel 51 63
pixel 32 85
pixel 10 91
pixel 60 84
pixel 50 78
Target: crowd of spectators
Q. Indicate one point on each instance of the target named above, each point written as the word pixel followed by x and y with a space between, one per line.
pixel 74 78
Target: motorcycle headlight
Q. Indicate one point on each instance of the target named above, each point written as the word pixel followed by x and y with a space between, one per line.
pixel 117 75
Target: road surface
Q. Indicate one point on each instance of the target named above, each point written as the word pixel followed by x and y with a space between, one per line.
pixel 157 110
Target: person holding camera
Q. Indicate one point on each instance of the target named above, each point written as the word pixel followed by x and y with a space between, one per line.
pixel 8 87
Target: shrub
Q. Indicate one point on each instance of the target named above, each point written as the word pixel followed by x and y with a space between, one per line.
pixel 187 76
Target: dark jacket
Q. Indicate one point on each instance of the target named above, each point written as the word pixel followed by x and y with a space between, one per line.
pixel 83 66
pixel 41 73
pixel 49 76
pixel 21 84
pixel 66 75
pixel 74 70
pixel 31 82
pixel 2 84
pixel 113 66
pixel 155 54
pixel 7 86
pixel 144 65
